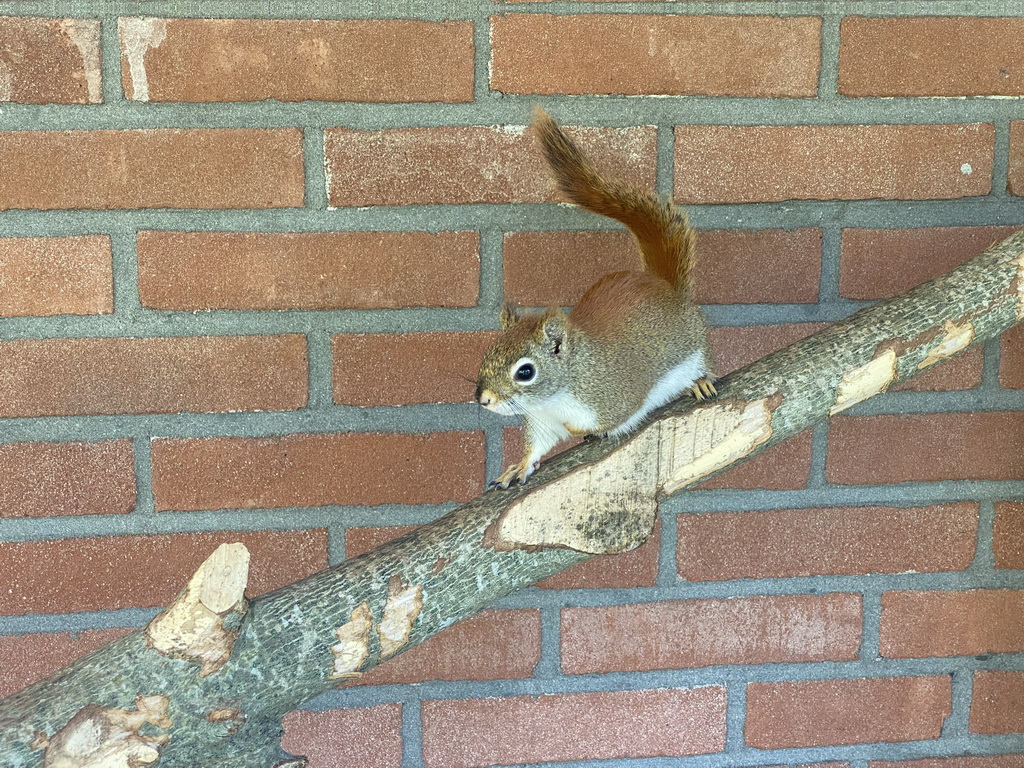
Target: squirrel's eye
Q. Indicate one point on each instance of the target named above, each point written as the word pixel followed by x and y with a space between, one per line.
pixel 525 372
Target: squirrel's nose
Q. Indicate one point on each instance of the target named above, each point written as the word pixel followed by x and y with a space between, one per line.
pixel 484 397
pixel 479 391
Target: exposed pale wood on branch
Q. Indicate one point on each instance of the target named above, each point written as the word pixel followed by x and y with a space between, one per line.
pixel 206 683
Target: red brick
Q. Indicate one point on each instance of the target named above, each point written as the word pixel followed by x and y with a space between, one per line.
pixel 629 570
pixel 1015 173
pixel 737 346
pixel 816 542
pixel 369 738
pixel 67 377
pixel 1011 358
pixel 41 276
pixel 272 472
pixel 925 447
pixel 997 705
pixel 739 164
pixel 883 263
pixel 291 60
pixel 50 61
pixel 308 270
pixel 403 368
pixel 962 372
pixel 786 266
pixel 455 164
pixel 493 645
pixel 786 466
pixel 359 541
pixel 544 269
pixel 555 268
pixel 47 479
pixel 97 574
pixel 967 761
pixel 172 168
pixel 826 712
pixel 1008 535
pixel 931 57
pixel 28 658
pixel 646 54
pixel 917 624
pixel 706 633
pixel 577 726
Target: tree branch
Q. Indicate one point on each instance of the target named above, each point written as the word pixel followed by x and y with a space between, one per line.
pixel 207 682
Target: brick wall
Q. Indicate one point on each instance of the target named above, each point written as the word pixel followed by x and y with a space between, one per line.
pixel 248 266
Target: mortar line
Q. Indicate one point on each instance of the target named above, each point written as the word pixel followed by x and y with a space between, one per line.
pixel 320 362
pixel 110 61
pixel 957 724
pixel 491 294
pixel 1001 159
pixel 511 109
pixel 991 364
pixel 336 544
pixel 665 162
pixel 789 215
pixel 736 715
pixel 816 476
pixel 482 90
pixel 152 323
pixel 828 74
pixel 412 733
pixel 668 549
pixel 984 551
pixel 549 667
pixel 871 626
pixel 831 262
pixel 126 289
pixel 314 168
pixel 145 502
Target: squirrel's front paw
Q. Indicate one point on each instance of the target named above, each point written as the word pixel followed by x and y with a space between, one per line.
pixel 520 472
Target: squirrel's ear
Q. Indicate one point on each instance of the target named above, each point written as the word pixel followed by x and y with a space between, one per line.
pixel 508 317
pixel 553 328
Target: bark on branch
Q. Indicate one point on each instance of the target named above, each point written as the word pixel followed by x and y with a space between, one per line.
pixel 207 682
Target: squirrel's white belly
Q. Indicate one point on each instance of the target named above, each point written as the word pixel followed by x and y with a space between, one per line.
pixel 565 414
pixel 668 388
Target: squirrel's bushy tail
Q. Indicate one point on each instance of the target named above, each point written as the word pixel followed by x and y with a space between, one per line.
pixel 667 242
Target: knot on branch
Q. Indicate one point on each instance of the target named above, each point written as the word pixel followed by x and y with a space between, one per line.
pixel 203 621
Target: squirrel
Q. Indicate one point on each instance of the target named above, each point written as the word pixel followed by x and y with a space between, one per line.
pixel 634 342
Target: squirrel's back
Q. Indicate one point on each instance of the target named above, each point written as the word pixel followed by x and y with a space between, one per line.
pixel 667 242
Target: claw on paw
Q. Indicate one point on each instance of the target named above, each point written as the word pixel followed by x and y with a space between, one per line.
pixel 517 472
pixel 704 389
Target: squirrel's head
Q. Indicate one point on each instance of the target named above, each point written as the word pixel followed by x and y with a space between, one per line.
pixel 527 364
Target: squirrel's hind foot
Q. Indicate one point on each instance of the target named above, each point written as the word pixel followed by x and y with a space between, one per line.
pixel 704 389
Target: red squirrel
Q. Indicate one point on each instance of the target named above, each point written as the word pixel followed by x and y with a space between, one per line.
pixel 634 342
